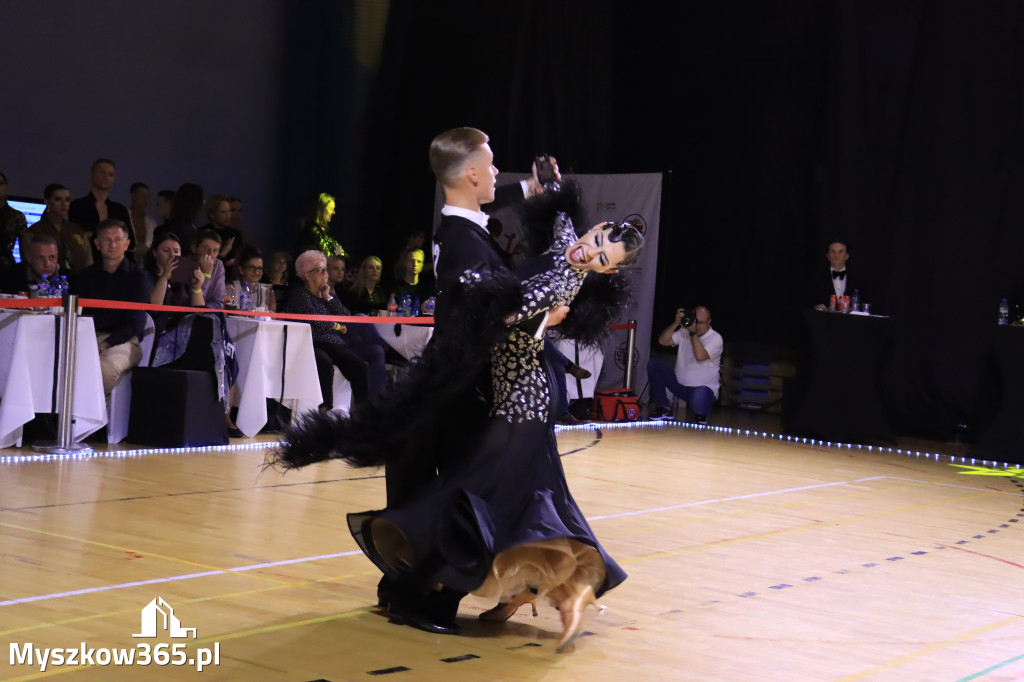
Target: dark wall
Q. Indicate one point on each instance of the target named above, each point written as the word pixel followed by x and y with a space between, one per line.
pixel 172 91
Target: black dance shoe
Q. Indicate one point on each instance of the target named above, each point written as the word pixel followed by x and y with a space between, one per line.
pixel 408 614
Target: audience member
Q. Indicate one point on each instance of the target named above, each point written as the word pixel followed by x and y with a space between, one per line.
pixel 316 229
pixel 114 278
pixel 39 257
pixel 411 284
pixel 359 357
pixel 695 377
pixel 188 202
pixel 143 225
pixel 250 270
pixel 74 252
pixel 560 366
pixel 12 224
pixel 218 209
pixel 277 275
pixel 96 206
pixel 366 293
pixel 161 261
pixel 417 239
pixel 204 257
pixel 237 213
pixel 336 268
pixel 189 341
pixel 164 206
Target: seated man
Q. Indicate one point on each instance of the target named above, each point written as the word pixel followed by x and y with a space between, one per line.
pixel 115 278
pixel 204 256
pixel 412 284
pixel 40 259
pixel 695 378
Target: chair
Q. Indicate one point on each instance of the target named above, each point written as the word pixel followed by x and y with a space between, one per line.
pixel 120 400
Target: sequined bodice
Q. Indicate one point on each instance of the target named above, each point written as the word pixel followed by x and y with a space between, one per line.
pixel 520 384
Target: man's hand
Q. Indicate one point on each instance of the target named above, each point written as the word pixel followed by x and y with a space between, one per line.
pixel 197 279
pixel 206 264
pixel 679 319
pixel 556 315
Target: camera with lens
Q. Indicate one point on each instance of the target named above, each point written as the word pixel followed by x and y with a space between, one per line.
pixel 689 317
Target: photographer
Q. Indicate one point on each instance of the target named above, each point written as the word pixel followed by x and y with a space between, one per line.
pixel 695 378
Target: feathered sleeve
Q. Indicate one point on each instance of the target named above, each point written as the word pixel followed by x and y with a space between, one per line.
pixel 538 213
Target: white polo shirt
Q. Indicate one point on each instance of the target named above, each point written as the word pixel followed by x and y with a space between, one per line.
pixel 690 372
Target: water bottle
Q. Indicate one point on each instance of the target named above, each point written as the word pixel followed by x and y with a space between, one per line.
pixel 415 308
pixel 855 300
pixel 244 298
pixel 64 286
pixel 428 309
pixel 404 306
pixel 1004 313
pixel 44 287
pixel 392 307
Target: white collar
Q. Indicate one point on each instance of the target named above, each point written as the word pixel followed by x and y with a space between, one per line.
pixel 478 217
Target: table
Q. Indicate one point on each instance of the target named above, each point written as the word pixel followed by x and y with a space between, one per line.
pixel 1003 439
pixel 842 403
pixel 265 361
pixel 408 339
pixel 29 351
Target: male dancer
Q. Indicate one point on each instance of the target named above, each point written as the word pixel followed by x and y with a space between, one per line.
pixel 463 163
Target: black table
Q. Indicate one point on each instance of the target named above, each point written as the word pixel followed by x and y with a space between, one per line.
pixel 1003 440
pixel 842 400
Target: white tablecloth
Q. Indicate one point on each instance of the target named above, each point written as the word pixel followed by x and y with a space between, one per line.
pixel 261 353
pixel 410 342
pixel 28 352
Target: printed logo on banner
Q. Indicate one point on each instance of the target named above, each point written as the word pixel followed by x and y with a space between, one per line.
pixel 620 356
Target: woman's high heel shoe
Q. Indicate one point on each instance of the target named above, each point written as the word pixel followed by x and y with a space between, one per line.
pixel 571 611
pixel 504 610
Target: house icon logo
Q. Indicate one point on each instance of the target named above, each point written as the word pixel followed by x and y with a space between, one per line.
pixel 151 621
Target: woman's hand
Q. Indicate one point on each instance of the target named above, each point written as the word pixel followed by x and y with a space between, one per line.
pixel 325 292
pixel 164 271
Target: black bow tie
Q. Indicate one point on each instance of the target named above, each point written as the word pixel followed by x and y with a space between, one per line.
pixel 837 274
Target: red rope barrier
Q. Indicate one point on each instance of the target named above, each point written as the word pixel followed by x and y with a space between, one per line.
pixel 123 305
pixel 623 325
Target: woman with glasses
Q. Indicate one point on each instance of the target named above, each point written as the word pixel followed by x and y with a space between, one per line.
pixel 250 268
pixel 353 351
pixel 500 523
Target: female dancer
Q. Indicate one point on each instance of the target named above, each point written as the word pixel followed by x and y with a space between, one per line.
pixel 501 522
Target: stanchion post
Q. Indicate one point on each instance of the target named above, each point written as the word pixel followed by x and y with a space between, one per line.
pixel 630 348
pixel 66 384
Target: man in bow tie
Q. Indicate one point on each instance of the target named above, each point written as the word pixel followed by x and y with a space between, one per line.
pixel 838 283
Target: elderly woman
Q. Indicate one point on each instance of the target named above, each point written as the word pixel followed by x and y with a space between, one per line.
pixel 355 352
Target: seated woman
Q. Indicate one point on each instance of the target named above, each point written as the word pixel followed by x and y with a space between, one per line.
pixel 367 293
pixel 250 267
pixel 355 352
pixel 276 273
pixel 194 341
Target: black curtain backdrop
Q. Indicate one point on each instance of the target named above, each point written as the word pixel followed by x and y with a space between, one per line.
pixel 777 125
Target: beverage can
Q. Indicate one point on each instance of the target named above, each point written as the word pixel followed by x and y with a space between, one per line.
pixel 832 303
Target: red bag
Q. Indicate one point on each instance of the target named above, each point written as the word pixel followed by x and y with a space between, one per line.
pixel 615 405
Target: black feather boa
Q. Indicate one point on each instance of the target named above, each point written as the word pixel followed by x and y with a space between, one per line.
pixel 377 431
pixel 537 215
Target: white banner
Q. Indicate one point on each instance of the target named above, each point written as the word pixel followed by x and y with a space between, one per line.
pixel 634 197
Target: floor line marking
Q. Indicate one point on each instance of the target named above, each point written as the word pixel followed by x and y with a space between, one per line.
pixel 731 499
pixel 173 578
pixel 993 668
